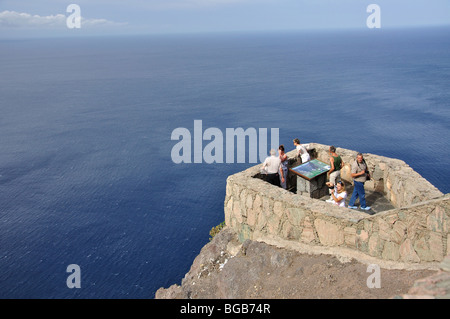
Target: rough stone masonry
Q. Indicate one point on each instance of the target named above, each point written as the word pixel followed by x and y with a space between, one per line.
pixel 415 234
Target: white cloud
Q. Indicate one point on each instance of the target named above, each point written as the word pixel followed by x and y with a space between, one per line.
pixel 21 20
pixel 193 4
pixel 12 19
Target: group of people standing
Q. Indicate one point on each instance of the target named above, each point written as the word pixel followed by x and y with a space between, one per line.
pixel 360 174
pixel 276 168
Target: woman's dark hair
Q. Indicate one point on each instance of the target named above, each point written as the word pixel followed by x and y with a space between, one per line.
pixel 332 149
pixel 281 147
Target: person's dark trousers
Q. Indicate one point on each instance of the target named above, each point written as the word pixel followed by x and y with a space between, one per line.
pixel 358 191
pixel 273 179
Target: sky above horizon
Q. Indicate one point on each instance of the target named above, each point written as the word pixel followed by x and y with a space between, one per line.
pixel 48 17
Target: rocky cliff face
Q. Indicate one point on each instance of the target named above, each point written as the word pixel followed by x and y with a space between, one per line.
pixel 278 244
pixel 227 269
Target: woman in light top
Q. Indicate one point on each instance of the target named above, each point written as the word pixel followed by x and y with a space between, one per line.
pixel 338 194
pixel 301 151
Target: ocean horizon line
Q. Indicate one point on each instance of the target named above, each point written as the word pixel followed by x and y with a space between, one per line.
pixel 70 34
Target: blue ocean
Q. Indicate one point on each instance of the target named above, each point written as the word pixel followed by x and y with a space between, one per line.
pixel 86 174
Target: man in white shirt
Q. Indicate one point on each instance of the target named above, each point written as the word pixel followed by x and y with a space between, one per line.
pixel 272 165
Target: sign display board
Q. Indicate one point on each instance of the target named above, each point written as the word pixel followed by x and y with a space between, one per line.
pixel 311 169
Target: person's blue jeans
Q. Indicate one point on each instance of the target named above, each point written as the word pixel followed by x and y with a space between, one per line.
pixel 358 191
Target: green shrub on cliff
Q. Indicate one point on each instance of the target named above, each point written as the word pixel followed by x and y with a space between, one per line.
pixel 213 232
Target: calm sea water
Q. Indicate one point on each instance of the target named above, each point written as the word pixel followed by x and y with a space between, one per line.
pixel 86 175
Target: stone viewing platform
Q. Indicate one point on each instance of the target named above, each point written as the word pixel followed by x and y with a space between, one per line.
pixel 408 226
pixel 280 244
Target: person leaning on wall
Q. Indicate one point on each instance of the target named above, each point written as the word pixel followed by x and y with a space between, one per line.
pixel 302 152
pixel 284 166
pixel 338 193
pixel 272 165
